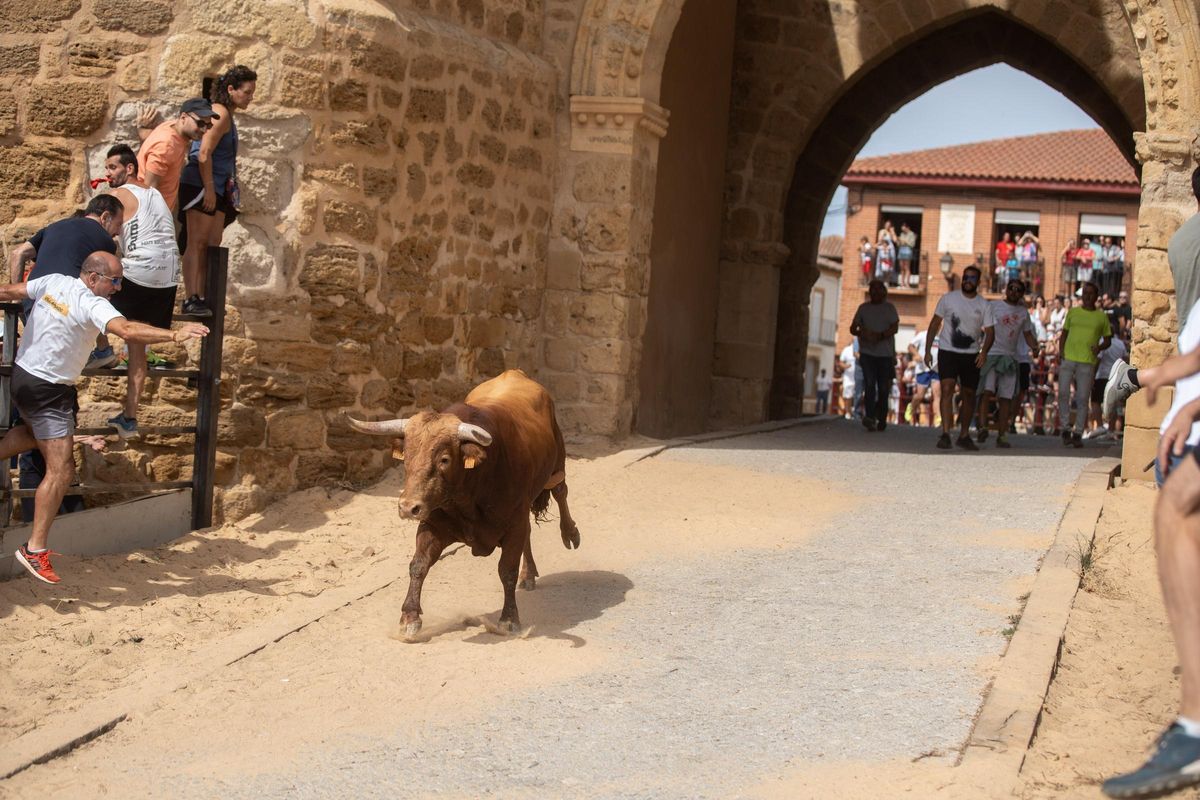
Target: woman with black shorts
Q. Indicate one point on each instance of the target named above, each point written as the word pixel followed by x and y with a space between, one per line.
pixel 208 191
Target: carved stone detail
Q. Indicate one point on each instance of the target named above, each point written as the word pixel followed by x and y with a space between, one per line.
pixel 610 124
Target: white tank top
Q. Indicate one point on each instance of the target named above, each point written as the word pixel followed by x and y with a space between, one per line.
pixel 150 252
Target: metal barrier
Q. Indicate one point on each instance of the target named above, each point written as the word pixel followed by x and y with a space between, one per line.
pixel 206 379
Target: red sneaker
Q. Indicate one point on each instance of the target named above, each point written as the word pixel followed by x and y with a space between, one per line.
pixel 38 564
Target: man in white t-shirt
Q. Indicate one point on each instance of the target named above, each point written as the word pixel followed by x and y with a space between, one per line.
pixel 875 324
pixel 1004 326
pixel 959 341
pixel 824 383
pixel 850 389
pixel 927 382
pixel 66 316
pixel 1105 429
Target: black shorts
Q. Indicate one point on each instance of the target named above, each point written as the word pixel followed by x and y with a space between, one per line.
pixel 1023 379
pixel 1098 390
pixel 188 193
pixel 145 303
pixel 959 367
pixel 47 408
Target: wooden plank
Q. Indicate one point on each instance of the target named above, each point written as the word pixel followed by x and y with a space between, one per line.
pixel 208 394
pixel 154 372
pixel 110 488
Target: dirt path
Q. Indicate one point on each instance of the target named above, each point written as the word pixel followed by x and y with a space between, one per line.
pixel 743 617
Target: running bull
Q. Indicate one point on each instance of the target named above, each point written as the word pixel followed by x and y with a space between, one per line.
pixel 473 474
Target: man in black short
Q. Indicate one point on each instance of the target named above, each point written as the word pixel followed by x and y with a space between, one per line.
pixel 957 326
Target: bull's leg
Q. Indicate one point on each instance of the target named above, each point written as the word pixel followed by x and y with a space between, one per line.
pixel 566 525
pixel 428 550
pixel 510 559
pixel 529 572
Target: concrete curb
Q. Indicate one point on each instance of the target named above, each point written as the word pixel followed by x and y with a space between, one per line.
pixel 1012 709
pixel 642 453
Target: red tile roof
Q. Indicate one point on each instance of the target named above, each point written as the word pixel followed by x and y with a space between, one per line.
pixel 830 247
pixel 1085 160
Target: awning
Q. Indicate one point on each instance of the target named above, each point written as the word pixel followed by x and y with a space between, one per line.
pixel 1031 218
pixel 1102 225
pixel 901 209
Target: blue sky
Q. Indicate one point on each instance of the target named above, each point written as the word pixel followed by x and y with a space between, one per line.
pixel 966 109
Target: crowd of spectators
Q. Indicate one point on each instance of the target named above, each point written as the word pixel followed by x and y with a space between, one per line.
pixel 892 258
pixel 915 392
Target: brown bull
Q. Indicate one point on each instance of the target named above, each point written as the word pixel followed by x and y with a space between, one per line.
pixel 473 474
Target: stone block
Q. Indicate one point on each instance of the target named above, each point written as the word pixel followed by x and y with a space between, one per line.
pixel 286 321
pixel 297 429
pixel 607 228
pixel 350 358
pixel 370 134
pixel 186 57
pixel 353 219
pixel 437 330
pixel 20 59
pixel 1149 305
pixel 426 105
pixel 476 175
pixel 298 356
pixel 485 332
pixel 1151 353
pixel 426 67
pixel 380 60
pixel 66 108
pixel 601 316
pixel 34 170
pixel 279 135
pixel 266 184
pixel 1138 448
pixel 95 59
pixel 36 16
pixel 379 182
pixel 342 438
pixel 143 17
pixel 8 114
pixel 1153 273
pixel 589 419
pixel 1139 412
pixel 330 391
pixel 135 75
pixel 320 469
pixel 330 270
pixel 1156 226
pixel 282 23
pixel 348 95
pixel 300 89
pixel 241 426
pixel 271 469
pixel 525 158
pixel 393 396
pixel 251 262
pixel 261 388
pixel 614 356
pixel 239 502
pixel 364 467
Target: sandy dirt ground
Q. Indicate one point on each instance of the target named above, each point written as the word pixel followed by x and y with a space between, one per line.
pixel 120 621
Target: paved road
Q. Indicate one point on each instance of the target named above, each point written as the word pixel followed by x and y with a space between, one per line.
pixel 841 602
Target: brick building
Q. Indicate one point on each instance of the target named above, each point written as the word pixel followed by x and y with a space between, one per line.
pixel 961 200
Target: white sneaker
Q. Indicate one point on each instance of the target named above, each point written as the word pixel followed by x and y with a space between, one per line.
pixel 1118 389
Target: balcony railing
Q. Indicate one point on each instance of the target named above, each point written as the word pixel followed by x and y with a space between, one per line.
pixel 897 281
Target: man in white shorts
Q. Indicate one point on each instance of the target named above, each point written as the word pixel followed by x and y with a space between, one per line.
pixel 150 257
pixel 1005 322
pixel 66 317
pixel 927 382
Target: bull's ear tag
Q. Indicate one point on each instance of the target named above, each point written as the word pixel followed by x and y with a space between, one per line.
pixel 469 462
pixel 398 452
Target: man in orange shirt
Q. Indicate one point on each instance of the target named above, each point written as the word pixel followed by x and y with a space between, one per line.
pixel 164 152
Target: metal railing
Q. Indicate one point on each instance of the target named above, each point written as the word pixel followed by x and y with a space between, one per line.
pixel 897 279
pixel 206 378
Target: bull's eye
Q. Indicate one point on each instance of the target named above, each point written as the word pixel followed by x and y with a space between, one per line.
pixel 444 461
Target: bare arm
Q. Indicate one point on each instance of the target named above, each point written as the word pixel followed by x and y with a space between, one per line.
pixel 21 255
pixel 989 338
pixel 935 327
pixel 13 292
pixel 141 333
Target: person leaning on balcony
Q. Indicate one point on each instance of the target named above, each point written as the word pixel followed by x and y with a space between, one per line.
pixel 67 314
pixel 907 255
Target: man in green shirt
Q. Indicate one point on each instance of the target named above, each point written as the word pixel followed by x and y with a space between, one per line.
pixel 1086 333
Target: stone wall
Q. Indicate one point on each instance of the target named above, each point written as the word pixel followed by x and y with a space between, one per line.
pixel 396 172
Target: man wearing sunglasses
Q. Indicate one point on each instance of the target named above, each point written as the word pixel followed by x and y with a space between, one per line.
pixel 68 313
pixel 164 151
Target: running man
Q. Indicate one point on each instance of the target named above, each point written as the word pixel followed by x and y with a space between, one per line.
pixel 1085 335
pixel 1006 323
pixel 958 348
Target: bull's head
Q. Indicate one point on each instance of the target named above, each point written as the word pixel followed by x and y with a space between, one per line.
pixel 437 450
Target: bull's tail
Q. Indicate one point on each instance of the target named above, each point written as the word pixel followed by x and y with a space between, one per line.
pixel 540 504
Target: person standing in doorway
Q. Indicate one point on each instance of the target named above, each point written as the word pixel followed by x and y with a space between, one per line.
pixel 875 324
pixel 907 255
pixel 1086 333
pixel 823 386
pixel 959 341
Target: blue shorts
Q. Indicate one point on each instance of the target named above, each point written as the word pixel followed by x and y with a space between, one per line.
pixel 927 378
pixel 1175 462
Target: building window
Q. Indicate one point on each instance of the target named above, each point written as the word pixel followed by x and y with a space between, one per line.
pixel 1017 250
pixel 905 258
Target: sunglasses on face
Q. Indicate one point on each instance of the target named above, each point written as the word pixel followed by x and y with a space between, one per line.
pixel 202 124
pixel 116 282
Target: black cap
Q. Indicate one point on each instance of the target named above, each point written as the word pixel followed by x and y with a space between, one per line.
pixel 200 107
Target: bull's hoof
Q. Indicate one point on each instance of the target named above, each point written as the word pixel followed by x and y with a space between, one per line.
pixel 509 626
pixel 570 537
pixel 528 584
pixel 412 628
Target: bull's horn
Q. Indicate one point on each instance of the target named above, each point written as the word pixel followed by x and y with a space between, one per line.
pixel 474 433
pixel 386 427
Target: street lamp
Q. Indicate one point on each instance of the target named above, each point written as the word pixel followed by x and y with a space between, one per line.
pixel 947 264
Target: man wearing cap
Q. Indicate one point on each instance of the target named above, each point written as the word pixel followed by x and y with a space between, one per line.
pixel 164 151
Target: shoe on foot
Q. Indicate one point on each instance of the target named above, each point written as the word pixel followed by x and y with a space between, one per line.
pixel 982 435
pixel 1002 441
pixel 1119 387
pixel 101 358
pixel 881 425
pixel 1066 437
pixel 1077 440
pixel 1174 765
pixel 126 428
pixel 869 424
pixel 908 415
pixel 943 442
pixel 196 307
pixel 38 564
pixel 966 444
